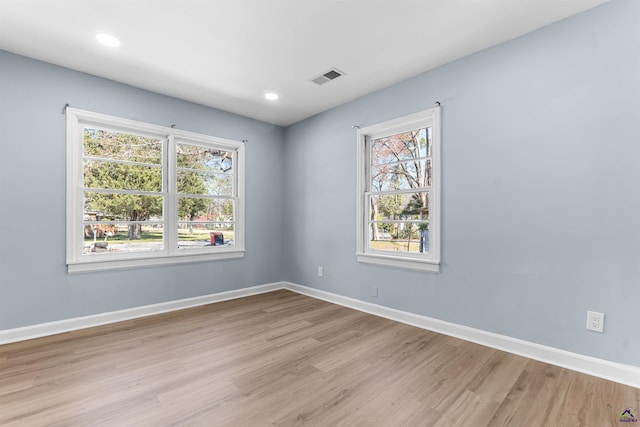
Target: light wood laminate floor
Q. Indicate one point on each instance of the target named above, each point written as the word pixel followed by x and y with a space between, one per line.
pixel 282 359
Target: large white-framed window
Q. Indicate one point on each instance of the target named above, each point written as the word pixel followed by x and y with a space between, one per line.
pixel 140 194
pixel 399 192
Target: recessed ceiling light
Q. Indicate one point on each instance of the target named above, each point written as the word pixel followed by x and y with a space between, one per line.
pixel 107 39
pixel 271 96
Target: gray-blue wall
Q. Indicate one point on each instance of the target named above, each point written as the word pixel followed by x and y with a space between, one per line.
pixel 541 198
pixel 34 285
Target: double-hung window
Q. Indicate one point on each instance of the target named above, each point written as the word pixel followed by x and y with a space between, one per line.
pixel 140 194
pixel 399 192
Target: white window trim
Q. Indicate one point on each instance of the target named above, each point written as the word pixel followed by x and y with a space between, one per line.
pixel 426 118
pixel 76 263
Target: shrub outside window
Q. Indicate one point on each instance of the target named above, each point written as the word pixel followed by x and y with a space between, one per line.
pixel 399 192
pixel 141 194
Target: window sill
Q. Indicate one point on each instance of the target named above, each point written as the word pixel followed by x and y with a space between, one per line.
pixel 102 265
pixel 399 262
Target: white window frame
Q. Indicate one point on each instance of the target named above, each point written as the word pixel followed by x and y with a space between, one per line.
pixel 425 262
pixel 170 254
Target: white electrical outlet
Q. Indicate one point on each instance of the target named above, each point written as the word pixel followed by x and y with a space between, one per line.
pixel 595 321
pixel 320 271
pixel 374 291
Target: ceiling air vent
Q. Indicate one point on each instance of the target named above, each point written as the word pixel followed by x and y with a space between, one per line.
pixel 332 74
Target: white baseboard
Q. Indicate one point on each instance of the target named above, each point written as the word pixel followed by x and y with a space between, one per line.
pixel 624 374
pixel 67 325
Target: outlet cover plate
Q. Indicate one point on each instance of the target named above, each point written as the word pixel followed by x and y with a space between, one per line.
pixel 595 321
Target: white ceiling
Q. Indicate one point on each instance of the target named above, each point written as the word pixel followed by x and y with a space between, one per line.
pixel 227 53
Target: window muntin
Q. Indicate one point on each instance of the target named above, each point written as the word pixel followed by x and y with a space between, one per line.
pixel 398 215
pixel 139 191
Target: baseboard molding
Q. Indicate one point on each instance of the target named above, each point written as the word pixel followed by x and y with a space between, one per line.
pixel 51 328
pixel 624 374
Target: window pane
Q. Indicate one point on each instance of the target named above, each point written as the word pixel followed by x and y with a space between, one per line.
pixel 403 206
pixel 408 237
pixel 401 176
pixel 123 207
pixel 118 176
pixel 205 209
pixel 402 146
pixel 113 238
pixel 122 146
pixel 194 235
pixel 190 182
pixel 204 159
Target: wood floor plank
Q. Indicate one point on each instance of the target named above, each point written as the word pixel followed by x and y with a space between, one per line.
pixel 283 359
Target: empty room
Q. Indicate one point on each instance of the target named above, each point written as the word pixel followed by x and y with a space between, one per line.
pixel 321 213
